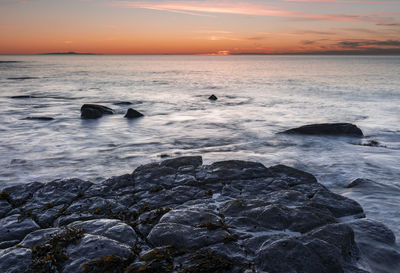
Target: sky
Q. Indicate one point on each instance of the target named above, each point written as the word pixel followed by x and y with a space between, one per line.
pixel 200 27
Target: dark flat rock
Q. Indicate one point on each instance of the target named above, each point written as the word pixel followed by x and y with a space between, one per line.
pixel 39 118
pixel 333 129
pixel 23 97
pixel 123 103
pixel 23 78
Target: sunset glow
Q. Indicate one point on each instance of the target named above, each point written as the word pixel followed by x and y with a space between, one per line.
pixel 200 27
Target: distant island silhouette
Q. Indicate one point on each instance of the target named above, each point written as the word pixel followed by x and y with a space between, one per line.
pixel 68 53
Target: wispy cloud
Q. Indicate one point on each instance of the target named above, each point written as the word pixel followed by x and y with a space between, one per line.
pixel 344 1
pixel 357 44
pixel 229 38
pixel 243 8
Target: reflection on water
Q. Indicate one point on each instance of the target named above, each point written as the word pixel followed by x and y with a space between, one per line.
pixel 258 96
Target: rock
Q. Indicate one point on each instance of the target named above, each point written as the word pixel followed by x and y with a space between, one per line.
pixel 185 237
pixel 20 194
pixel 338 235
pixel 112 229
pixel 231 170
pixel 23 97
pixel 377 244
pixel 289 255
pixel 180 215
pixel 38 237
pixel 57 192
pixel 94 111
pixel 370 230
pixel 92 247
pixel 39 118
pixel 22 78
pixel 5 207
pixel 122 103
pixel 334 129
pixel 212 97
pixel 184 161
pixel 339 205
pixel 15 227
pixel 372 143
pixel 15 260
pixel 132 113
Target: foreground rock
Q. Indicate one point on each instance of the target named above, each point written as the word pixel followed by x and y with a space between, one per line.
pixel 94 111
pixel 182 216
pixel 132 113
pixel 334 129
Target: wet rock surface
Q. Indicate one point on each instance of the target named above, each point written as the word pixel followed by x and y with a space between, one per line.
pixel 132 113
pixel 212 97
pixel 94 111
pixel 179 215
pixel 334 129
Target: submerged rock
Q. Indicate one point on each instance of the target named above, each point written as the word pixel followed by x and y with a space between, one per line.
pixel 122 103
pixel 212 97
pixel 334 129
pixel 23 97
pixel 94 111
pixel 179 215
pixel 132 113
pixel 39 118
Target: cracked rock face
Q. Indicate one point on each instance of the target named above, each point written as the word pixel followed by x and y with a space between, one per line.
pixel 182 216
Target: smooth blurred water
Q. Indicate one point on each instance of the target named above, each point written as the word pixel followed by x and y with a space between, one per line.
pixel 258 97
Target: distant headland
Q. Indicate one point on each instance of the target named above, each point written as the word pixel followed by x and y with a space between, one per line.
pixel 68 53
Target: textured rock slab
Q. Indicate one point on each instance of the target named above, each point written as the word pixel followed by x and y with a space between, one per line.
pixel 15 260
pixel 38 237
pixel 92 247
pixel 112 229
pixel 14 228
pixel 184 237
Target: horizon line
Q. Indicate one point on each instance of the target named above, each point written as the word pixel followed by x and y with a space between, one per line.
pixel 210 54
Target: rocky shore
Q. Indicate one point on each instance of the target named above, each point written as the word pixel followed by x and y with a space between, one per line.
pixel 179 215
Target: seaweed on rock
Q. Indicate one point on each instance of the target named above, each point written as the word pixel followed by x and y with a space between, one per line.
pixel 50 256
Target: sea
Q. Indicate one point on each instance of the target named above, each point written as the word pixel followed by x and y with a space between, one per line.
pixel 258 96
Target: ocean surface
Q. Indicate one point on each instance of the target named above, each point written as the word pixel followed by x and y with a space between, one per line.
pixel 258 96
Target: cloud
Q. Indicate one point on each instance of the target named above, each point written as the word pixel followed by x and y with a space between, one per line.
pixel 389 24
pixel 358 44
pixel 344 1
pixel 243 8
pixel 229 38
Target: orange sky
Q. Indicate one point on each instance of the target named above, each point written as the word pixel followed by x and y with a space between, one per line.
pixel 199 27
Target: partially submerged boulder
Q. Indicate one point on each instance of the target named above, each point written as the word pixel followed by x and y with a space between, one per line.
pixel 333 129
pixel 179 215
pixel 212 97
pixel 132 113
pixel 94 111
